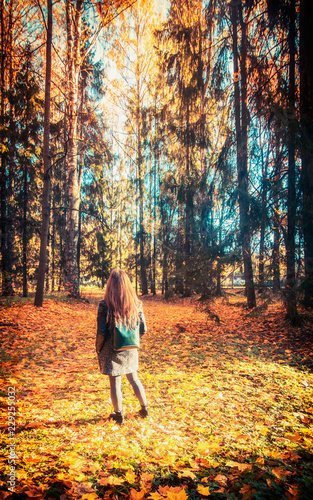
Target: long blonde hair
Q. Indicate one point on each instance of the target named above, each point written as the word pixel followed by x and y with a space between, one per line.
pixel 122 300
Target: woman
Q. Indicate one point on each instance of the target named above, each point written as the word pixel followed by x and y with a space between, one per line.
pixel 122 307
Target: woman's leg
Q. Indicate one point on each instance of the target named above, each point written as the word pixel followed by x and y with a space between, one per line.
pixel 116 392
pixel 137 388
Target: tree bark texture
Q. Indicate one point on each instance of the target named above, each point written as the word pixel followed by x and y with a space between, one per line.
pixel 6 228
pixel 25 194
pixel 291 305
pixel 25 223
pixel 189 222
pixel 276 242
pixel 164 246
pixel 220 253
pixel 306 111
pixel 73 23
pixel 142 257
pixel 263 225
pixel 46 167
pixel 241 125
pixel 154 222
pixel 204 72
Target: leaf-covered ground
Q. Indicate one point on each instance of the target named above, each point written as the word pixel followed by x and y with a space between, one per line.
pixel 231 405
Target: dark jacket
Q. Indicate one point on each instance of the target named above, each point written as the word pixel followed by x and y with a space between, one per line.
pixel 103 328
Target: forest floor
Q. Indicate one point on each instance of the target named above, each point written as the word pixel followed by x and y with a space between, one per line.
pixel 231 405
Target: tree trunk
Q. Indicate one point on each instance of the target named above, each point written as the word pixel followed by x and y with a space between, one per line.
pixel 263 224
pixel 24 227
pixel 154 219
pixel 202 142
pixel 79 240
pixel 46 168
pixel 164 247
pixel 218 278
pixel 261 257
pixel 165 271
pixel 306 111
pixel 6 226
pixel 241 124
pixel 291 306
pixel 80 167
pixel 142 258
pixel 53 237
pixel 73 21
pixel 204 79
pixel 47 280
pixel 3 191
pixel 276 243
pixel 188 212
pixel 220 254
pixel 179 258
pixel 25 194
pixel 136 243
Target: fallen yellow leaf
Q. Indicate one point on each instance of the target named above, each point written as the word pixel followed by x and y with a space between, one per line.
pixel 177 495
pixel 155 496
pixel 203 490
pixel 130 476
pixel 187 473
pixel 220 479
pixel 136 495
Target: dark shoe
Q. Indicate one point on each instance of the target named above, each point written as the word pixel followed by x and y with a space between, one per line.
pixel 144 412
pixel 117 416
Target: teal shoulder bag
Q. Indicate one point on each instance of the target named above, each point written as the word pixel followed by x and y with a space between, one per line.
pixel 123 338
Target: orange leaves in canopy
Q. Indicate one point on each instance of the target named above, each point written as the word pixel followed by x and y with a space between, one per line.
pixel 99 8
pixel 108 9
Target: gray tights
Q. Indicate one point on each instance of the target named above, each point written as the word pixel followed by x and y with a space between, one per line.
pixel 116 390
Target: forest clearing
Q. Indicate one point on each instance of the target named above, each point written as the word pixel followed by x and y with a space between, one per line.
pixel 231 404
pixel 172 141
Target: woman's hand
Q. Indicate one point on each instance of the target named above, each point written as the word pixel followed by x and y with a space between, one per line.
pixel 99 342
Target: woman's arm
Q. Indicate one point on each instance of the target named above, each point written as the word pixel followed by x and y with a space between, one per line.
pixel 99 342
pixel 102 327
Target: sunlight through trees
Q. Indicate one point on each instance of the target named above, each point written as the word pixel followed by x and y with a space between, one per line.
pixel 180 147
